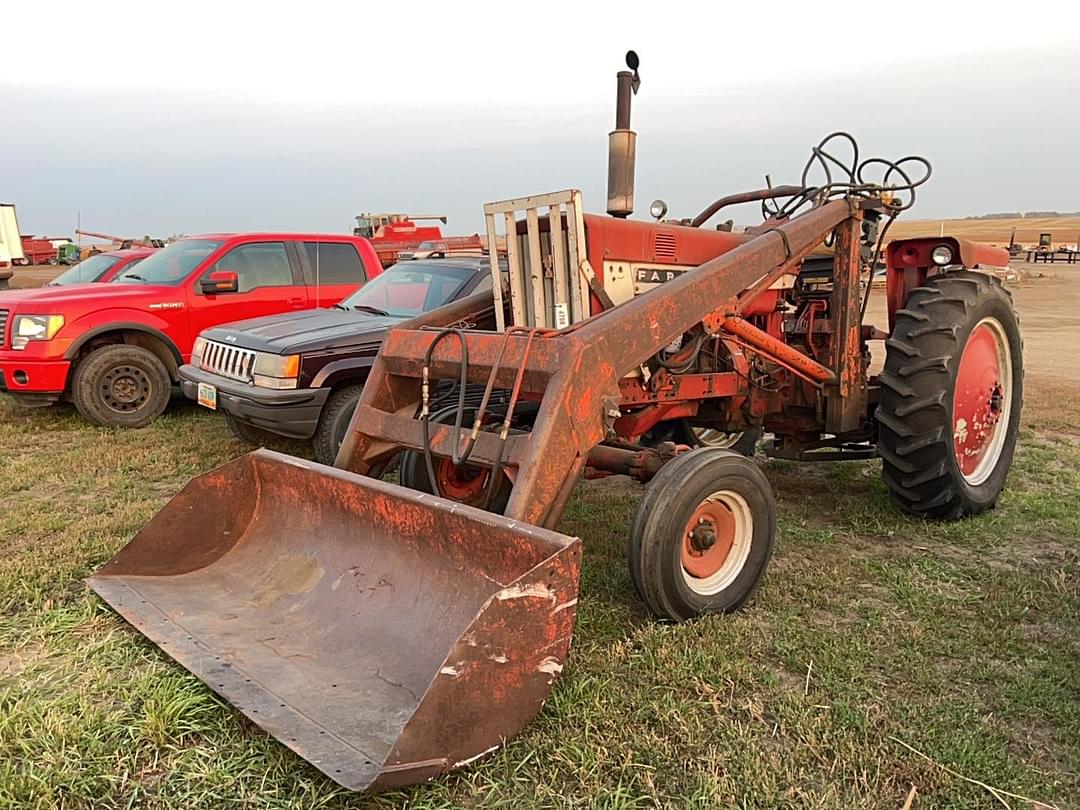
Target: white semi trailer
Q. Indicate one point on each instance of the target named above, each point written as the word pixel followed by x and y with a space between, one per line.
pixel 10 242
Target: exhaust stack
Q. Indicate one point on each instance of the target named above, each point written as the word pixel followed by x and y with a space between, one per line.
pixel 622 143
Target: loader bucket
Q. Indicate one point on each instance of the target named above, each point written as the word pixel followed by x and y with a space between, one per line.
pixel 383 634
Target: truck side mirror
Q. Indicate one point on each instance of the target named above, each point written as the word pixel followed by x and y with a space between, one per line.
pixel 220 281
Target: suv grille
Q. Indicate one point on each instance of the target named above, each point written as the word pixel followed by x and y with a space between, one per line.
pixel 3 328
pixel 228 361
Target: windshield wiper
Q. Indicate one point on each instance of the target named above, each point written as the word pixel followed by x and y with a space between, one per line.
pixel 135 276
pixel 341 307
pixel 372 310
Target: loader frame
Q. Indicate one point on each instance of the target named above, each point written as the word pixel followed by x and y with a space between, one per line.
pixel 582 374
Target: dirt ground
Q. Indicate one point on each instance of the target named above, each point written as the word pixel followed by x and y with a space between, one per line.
pixel 1048 301
pixel 35 276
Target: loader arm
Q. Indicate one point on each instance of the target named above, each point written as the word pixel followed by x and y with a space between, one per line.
pixel 575 372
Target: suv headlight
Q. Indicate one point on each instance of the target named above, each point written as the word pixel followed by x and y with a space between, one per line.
pixel 34 327
pixel 276 370
pixel 197 351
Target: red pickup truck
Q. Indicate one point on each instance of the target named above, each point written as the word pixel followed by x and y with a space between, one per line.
pixel 115 349
pixel 101 267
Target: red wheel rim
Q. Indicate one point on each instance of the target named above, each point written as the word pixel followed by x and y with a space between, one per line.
pixel 716 542
pixel 982 399
pixel 458 482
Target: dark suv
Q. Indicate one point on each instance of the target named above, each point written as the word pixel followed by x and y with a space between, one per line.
pixel 319 359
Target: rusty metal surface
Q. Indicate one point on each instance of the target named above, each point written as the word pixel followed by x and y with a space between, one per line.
pixel 846 401
pixel 576 370
pixel 385 635
pixel 778 351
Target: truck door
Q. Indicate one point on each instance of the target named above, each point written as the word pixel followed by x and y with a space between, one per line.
pixel 332 270
pixel 268 283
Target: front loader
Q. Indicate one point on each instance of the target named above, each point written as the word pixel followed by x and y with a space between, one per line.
pixel 390 633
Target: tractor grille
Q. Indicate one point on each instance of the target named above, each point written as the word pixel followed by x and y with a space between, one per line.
pixel 3 328
pixel 228 361
pixel 664 245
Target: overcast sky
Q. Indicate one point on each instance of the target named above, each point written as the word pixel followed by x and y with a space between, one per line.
pixel 191 117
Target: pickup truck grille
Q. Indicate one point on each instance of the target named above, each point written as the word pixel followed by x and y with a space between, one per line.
pixel 228 361
pixel 3 328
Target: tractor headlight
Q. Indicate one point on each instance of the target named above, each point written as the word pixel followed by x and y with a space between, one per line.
pixel 658 209
pixel 941 255
pixel 34 327
pixel 276 370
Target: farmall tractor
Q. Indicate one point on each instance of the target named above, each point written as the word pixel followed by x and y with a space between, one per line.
pixel 391 632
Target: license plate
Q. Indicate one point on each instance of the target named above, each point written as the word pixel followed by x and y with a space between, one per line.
pixel 208 396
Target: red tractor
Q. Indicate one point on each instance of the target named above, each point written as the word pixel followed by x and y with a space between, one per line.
pixel 416 627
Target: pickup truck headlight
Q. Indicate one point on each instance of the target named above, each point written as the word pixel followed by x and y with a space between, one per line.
pixel 34 327
pixel 276 370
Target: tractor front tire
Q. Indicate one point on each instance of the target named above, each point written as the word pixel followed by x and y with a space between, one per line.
pixel 465 483
pixel 951 395
pixel 744 443
pixel 703 534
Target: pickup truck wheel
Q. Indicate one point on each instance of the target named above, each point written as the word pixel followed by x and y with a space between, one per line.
pixel 121 385
pixel 334 423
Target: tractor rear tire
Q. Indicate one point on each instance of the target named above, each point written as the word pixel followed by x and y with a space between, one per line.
pixel 951 395
pixel 703 534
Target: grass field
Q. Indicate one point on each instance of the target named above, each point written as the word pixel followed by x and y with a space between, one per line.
pixel 872 633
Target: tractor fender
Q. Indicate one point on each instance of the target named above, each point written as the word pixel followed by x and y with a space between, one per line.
pixel 908 262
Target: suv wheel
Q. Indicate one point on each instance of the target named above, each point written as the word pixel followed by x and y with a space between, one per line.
pixel 245 432
pixel 121 385
pixel 334 423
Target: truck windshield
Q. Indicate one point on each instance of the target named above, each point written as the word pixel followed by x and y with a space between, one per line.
pixel 170 265
pixel 409 288
pixel 89 269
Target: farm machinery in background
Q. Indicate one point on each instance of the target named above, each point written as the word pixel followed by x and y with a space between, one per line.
pixel 10 243
pixel 390 633
pixel 116 243
pixel 397 236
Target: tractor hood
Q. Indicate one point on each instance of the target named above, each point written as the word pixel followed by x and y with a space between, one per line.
pixel 311 330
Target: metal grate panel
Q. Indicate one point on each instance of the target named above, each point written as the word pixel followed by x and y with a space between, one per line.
pixel 545 253
pixel 664 245
pixel 228 361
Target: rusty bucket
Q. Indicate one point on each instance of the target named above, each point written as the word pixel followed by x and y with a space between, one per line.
pixel 384 635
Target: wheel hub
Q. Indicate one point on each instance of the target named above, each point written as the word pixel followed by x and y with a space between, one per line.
pixel 460 482
pixel 125 388
pixel 981 401
pixel 709 537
